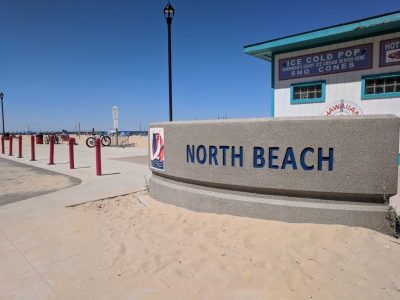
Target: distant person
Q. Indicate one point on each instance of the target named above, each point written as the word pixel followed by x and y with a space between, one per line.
pixel 64 135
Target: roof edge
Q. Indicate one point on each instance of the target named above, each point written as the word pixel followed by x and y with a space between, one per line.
pixel 323 28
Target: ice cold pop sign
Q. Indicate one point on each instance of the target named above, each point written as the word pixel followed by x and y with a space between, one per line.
pixel 328 62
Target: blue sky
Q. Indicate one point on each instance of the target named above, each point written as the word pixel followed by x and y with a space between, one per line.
pixel 64 62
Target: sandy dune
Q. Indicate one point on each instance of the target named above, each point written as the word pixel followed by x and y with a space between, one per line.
pixel 150 250
pixel 134 247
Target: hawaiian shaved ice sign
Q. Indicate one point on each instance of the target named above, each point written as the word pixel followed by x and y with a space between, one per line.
pixel 343 108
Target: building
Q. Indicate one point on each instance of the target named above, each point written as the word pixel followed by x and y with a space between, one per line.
pixel 351 68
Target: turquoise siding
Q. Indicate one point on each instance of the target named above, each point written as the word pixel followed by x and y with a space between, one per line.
pixel 273 86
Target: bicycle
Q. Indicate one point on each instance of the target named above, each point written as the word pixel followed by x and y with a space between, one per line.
pixel 56 139
pixel 125 143
pixel 105 141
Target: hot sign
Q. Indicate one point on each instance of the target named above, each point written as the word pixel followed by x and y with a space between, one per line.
pixel 389 52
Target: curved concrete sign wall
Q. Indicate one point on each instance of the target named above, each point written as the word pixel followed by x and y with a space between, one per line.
pixel 340 158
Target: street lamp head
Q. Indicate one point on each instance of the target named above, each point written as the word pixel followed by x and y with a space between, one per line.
pixel 169 12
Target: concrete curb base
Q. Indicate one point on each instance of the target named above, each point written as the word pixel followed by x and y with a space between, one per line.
pixel 287 209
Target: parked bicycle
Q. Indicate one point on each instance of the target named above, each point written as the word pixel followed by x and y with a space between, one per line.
pixel 105 141
pixel 56 139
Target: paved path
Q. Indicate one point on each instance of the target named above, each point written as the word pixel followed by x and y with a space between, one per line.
pixel 143 160
pixel 119 177
pixel 29 237
pixel 20 181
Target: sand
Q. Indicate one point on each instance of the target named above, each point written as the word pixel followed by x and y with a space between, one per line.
pixel 134 247
pixel 135 140
pixel 131 141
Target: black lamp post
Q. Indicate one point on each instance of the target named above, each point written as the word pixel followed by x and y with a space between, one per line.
pixel 169 12
pixel 2 111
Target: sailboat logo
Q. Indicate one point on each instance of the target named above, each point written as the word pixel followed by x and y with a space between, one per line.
pixel 157 148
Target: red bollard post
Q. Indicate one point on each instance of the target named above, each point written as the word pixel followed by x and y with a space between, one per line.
pixel 32 148
pixel 20 146
pixel 2 145
pixel 71 153
pixel 11 145
pixel 98 157
pixel 51 162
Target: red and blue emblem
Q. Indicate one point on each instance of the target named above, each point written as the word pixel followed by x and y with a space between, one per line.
pixel 157 148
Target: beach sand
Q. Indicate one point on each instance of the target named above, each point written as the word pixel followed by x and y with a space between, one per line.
pixel 135 140
pixel 134 247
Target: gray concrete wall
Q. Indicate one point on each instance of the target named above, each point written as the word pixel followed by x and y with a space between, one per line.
pixel 280 208
pixel 364 163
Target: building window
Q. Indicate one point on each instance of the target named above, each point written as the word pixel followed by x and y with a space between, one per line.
pixel 380 86
pixel 307 92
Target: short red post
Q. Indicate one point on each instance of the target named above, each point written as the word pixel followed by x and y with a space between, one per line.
pixel 98 157
pixel 2 145
pixel 71 153
pixel 11 145
pixel 32 148
pixel 20 146
pixel 51 162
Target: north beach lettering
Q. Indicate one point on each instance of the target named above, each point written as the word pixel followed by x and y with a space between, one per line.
pixel 270 157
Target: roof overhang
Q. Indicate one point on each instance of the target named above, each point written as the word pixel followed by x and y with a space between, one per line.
pixel 340 33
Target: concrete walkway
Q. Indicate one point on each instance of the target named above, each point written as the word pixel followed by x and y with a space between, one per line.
pixel 118 176
pixel 20 181
pixel 29 237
